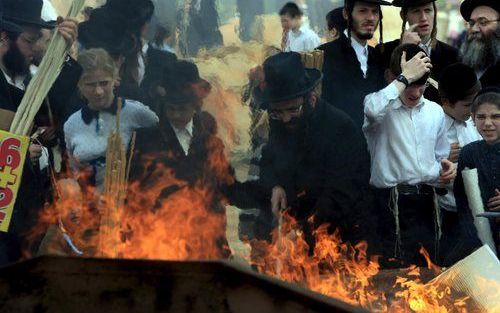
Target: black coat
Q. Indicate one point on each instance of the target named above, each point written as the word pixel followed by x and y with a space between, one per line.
pixel 491 78
pixel 343 83
pixel 442 55
pixel 324 173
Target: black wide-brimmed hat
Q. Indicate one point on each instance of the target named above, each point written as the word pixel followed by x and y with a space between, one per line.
pixel 130 14
pixel 410 3
pixel 101 32
pixel 285 79
pixel 379 2
pixel 25 13
pixel 178 83
pixel 8 26
pixel 468 6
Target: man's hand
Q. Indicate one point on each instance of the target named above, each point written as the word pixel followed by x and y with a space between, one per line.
pixel 448 172
pixel 278 200
pixel 494 202
pixel 415 68
pixel 68 28
pixel 35 152
pixel 411 36
pixel 48 136
pixel 454 152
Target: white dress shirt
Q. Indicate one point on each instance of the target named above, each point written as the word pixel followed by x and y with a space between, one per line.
pixel 462 133
pixel 361 53
pixel 406 144
pixel 302 40
pixel 184 136
pixel 18 82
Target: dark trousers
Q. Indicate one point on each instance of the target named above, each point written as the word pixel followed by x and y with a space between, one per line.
pixel 417 228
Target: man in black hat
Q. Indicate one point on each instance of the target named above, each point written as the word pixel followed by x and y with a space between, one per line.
pixel 316 161
pixel 351 69
pixel 481 49
pixel 16 55
pixel 421 17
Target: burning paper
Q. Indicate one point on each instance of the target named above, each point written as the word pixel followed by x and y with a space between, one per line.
pixel 471 183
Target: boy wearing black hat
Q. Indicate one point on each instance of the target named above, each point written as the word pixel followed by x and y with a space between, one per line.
pixel 351 69
pixel 315 162
pixel 458 87
pixel 183 143
pixel 421 17
pixel 481 48
pixel 408 145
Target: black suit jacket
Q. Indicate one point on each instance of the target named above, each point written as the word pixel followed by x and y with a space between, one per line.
pixel 442 55
pixel 344 86
pixel 325 172
pixel 491 78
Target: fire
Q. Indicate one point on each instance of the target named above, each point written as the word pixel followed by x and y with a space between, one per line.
pixel 339 270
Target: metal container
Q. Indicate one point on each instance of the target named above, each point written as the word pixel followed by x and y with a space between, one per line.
pixel 61 284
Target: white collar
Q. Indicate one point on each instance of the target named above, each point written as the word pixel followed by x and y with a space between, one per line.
pixel 451 121
pixel 299 31
pixel 399 104
pixel 188 128
pixel 359 48
pixel 18 82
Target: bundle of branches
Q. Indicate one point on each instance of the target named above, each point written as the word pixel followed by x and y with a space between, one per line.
pixel 42 82
pixel 314 59
pixel 115 187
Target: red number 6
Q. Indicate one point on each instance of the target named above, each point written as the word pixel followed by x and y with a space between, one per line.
pixel 9 153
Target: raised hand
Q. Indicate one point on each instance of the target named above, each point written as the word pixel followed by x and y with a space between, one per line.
pixel 411 36
pixel 416 67
pixel 448 172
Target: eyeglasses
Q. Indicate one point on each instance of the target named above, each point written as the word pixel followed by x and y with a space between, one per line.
pixel 481 22
pixel 277 114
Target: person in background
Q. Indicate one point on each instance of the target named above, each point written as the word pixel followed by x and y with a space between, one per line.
pixel 458 86
pixel 297 36
pixel 421 18
pixel 161 38
pixel 351 69
pixel 481 48
pixel 336 24
pixel 409 148
pixel 483 155
pixel 86 132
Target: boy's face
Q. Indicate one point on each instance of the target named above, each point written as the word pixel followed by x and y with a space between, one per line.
pixel 460 110
pixel 288 22
pixel 487 120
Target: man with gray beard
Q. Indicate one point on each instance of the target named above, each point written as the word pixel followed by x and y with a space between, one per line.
pixel 481 49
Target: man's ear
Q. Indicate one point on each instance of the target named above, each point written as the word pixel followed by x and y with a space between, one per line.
pixel 446 102
pixel 345 14
pixel 313 99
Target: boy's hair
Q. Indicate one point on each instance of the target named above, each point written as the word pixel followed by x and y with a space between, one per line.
pixel 490 95
pixel 291 9
pixel 335 19
pixel 458 82
pixel 395 64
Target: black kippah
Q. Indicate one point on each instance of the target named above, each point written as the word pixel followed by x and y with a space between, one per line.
pixel 457 81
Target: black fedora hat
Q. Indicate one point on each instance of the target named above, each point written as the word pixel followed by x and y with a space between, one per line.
pixel 379 2
pixel 285 79
pixel 410 3
pixel 130 14
pixel 101 32
pixel 25 13
pixel 8 26
pixel 177 84
pixel 468 6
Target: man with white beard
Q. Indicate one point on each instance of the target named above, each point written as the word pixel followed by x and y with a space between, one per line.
pixel 481 49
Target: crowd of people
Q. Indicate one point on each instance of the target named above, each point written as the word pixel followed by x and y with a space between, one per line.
pixel 372 144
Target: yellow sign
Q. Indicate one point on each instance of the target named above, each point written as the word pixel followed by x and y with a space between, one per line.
pixel 13 150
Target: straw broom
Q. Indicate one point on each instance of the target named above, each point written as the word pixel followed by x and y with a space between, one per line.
pixel 115 187
pixel 42 82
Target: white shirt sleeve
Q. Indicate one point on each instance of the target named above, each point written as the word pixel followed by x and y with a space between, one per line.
pixel 377 105
pixel 442 144
pixel 141 115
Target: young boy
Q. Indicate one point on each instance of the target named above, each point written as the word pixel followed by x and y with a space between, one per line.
pixel 406 137
pixel 297 36
pixel 484 155
pixel 458 87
